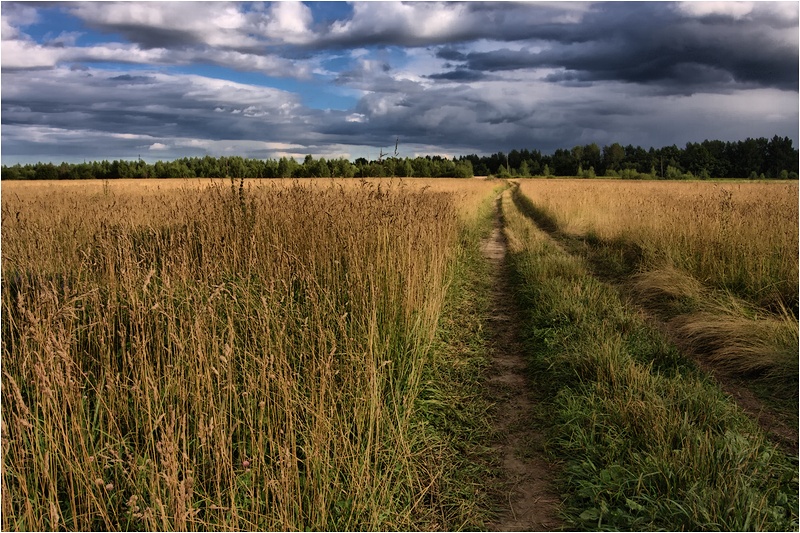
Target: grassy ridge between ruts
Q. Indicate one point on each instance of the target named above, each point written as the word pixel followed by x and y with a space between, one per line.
pixel 648 442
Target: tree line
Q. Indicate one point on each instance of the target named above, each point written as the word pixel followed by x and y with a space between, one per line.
pixel 239 167
pixel 759 158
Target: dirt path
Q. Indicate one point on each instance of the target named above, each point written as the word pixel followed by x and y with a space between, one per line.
pixel 532 502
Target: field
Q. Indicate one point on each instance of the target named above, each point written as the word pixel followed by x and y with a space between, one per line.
pixel 287 355
pixel 717 261
pixel 738 237
pixel 648 441
pixel 221 357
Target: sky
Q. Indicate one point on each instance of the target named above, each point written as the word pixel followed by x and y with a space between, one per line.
pixel 163 80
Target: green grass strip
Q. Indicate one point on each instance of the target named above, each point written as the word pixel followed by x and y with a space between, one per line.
pixel 452 417
pixel 648 442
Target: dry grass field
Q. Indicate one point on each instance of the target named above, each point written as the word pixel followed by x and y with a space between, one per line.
pixel 718 261
pixel 741 237
pixel 184 355
pixel 647 440
pixel 278 354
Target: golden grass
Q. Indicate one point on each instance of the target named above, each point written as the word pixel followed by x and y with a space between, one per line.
pixel 646 442
pixel 719 261
pixel 741 237
pixel 179 356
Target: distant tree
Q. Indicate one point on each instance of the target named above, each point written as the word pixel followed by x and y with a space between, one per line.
pixel 696 159
pixel 781 156
pixel 286 167
pixel 613 156
pixel 673 173
pixel 421 167
pixel 749 156
pixel 564 163
pixel 12 173
pixel 463 169
pixel 592 158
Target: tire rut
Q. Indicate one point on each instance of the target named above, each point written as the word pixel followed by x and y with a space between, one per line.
pixel 532 503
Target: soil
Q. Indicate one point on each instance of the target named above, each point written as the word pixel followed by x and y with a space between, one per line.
pixel 532 502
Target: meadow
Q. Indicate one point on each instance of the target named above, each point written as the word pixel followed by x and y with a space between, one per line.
pixel 739 237
pixel 311 354
pixel 718 262
pixel 194 355
pixel 647 440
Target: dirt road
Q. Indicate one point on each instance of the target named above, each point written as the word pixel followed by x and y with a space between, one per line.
pixel 532 501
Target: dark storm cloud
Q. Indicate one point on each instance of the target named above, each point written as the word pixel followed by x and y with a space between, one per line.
pixel 459 74
pixel 461 77
pixel 656 44
pixel 132 79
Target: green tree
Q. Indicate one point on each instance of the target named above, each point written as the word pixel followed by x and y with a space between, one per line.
pixel 564 163
pixel 286 167
pixel 781 156
pixel 524 169
pixel 463 169
pixel 613 156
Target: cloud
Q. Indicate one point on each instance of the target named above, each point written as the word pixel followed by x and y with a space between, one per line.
pixel 24 54
pixel 14 16
pixel 288 22
pixel 429 23
pixel 179 105
pixel 168 24
pixel 656 45
pixel 459 74
pixel 735 10
pixel 444 77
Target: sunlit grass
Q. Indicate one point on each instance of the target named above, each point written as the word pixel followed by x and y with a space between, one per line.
pixel 740 237
pixel 184 356
pixel 718 262
pixel 648 442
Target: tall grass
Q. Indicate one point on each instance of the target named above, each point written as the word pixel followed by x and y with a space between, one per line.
pixel 648 442
pixel 717 262
pixel 740 237
pixel 219 358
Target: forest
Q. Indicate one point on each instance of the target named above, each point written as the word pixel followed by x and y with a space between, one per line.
pixel 759 158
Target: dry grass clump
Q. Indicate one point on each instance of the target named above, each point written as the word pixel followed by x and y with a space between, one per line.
pixel 219 358
pixel 740 237
pixel 726 331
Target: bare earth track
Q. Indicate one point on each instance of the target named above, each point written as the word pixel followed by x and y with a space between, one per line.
pixel 532 502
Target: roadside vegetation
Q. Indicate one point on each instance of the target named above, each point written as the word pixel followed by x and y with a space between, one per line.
pixel 236 357
pixel 648 441
pixel 716 263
